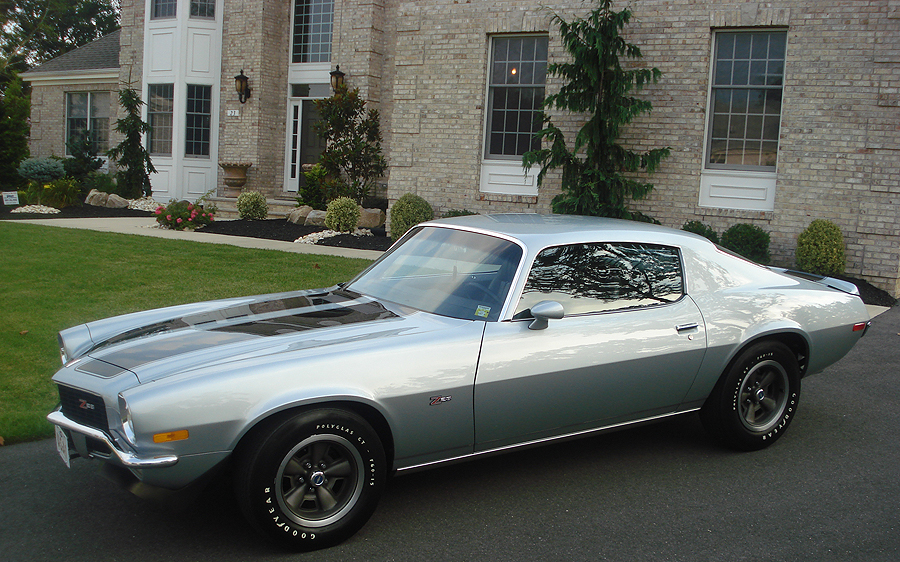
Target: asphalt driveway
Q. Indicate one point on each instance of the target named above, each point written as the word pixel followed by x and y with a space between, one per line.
pixel 828 491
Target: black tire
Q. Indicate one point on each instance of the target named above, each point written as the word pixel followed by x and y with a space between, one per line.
pixel 754 402
pixel 312 481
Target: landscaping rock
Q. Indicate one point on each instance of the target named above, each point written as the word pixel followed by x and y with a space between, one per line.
pixel 371 218
pixel 97 198
pixel 116 202
pixel 315 218
pixel 298 215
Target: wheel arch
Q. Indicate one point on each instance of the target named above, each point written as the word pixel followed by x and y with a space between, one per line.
pixel 795 341
pixel 369 413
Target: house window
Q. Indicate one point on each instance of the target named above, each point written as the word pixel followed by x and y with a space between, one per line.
pixel 199 112
pixel 745 100
pixel 313 25
pixel 160 105
pixel 203 8
pixel 515 95
pixel 163 9
pixel 591 278
pixel 87 114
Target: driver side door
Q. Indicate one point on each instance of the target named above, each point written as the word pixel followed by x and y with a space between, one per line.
pixel 628 347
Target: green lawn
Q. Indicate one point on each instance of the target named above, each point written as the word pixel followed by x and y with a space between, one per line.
pixel 53 278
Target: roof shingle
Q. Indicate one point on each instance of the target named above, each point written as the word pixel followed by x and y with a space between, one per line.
pixel 102 53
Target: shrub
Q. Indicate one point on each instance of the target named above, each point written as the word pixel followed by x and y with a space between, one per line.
pixel 251 205
pixel 457 213
pixel 64 192
pixel 83 160
pixel 703 230
pixel 33 193
pixel 99 181
pixel 179 215
pixel 342 215
pixel 407 212
pixel 820 248
pixel 748 240
pixel 42 169
pixel 312 191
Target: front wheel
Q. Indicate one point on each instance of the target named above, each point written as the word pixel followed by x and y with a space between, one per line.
pixel 314 480
pixel 755 400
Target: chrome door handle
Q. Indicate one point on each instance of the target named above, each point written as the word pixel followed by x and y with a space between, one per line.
pixel 685 327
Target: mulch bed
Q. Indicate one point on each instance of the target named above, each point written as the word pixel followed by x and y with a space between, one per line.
pixel 83 212
pixel 270 229
pixel 280 229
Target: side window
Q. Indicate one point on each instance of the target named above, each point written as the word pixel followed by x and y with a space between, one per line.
pixel 199 124
pixel 203 9
pixel 587 278
pixel 515 95
pixel 748 79
pixel 160 112
pixel 313 31
pixel 163 9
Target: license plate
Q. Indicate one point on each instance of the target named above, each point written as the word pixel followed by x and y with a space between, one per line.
pixel 62 445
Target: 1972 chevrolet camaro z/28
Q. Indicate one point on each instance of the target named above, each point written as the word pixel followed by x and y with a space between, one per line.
pixel 470 336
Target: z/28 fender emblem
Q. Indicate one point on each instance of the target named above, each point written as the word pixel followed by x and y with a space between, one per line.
pixel 436 400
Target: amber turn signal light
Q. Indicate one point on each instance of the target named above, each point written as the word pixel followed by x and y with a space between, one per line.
pixel 179 435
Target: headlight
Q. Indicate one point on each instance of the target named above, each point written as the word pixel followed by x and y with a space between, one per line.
pixel 127 423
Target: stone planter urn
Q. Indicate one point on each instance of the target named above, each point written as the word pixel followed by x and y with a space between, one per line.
pixel 235 177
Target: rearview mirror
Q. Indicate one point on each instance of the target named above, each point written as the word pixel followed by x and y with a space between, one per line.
pixel 543 312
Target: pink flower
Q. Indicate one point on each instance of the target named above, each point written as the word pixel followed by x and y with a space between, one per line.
pixel 168 217
pixel 159 210
pixel 178 221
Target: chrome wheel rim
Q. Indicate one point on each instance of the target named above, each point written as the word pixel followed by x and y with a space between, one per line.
pixel 763 396
pixel 319 480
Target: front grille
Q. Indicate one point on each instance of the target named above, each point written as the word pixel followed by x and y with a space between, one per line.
pixel 83 407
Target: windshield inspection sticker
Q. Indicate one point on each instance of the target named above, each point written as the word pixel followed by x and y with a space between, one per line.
pixel 483 311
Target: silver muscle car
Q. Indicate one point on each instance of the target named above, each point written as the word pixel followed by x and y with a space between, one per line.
pixel 470 336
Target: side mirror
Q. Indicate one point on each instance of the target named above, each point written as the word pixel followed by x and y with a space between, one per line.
pixel 543 312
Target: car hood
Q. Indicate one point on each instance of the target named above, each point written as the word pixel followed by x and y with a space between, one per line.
pixel 154 344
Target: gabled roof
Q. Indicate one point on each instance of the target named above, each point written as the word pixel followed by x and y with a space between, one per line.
pixel 102 53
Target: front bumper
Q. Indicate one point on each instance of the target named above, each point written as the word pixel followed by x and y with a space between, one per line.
pixel 125 458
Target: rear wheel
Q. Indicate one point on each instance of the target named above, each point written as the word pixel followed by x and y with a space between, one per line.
pixel 755 400
pixel 314 480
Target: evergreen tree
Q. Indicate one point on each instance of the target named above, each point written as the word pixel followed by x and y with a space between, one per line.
pixel 353 141
pixel 593 170
pixel 131 157
pixel 14 110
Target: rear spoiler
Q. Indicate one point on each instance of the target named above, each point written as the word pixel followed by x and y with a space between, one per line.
pixel 837 284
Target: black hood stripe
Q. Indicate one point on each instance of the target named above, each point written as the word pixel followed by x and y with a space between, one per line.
pixel 263 318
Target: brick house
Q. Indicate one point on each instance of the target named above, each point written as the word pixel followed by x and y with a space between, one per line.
pixel 778 113
pixel 73 94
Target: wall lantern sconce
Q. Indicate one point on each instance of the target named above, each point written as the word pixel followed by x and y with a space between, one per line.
pixel 242 85
pixel 337 78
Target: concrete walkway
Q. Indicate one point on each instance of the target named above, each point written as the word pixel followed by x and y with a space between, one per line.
pixel 146 226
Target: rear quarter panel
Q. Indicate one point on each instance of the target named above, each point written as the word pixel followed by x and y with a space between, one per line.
pixel 742 302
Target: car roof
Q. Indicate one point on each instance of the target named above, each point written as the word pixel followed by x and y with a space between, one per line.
pixel 540 230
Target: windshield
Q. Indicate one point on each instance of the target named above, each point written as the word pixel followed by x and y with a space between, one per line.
pixel 445 271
